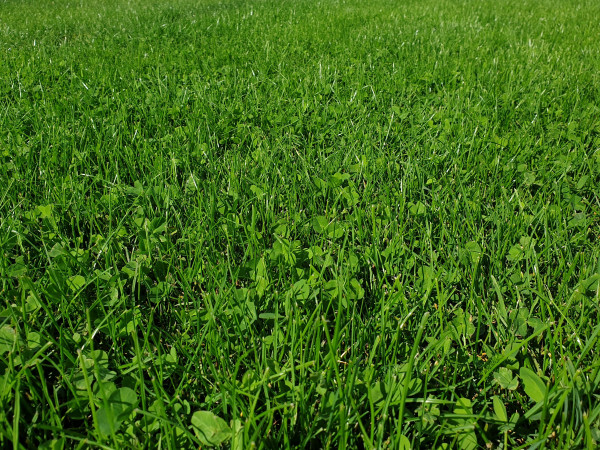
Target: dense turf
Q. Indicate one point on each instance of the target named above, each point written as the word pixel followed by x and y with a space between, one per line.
pixel 299 223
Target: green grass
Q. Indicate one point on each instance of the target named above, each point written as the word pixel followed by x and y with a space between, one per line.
pixel 338 224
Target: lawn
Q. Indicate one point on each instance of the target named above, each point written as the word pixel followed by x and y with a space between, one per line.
pixel 290 224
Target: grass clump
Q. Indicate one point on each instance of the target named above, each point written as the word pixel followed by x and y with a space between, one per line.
pixel 299 224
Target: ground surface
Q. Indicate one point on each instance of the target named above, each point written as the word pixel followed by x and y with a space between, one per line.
pixel 308 223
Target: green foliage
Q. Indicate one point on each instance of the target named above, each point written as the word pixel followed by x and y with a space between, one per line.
pixel 324 224
pixel 533 386
pixel 210 429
